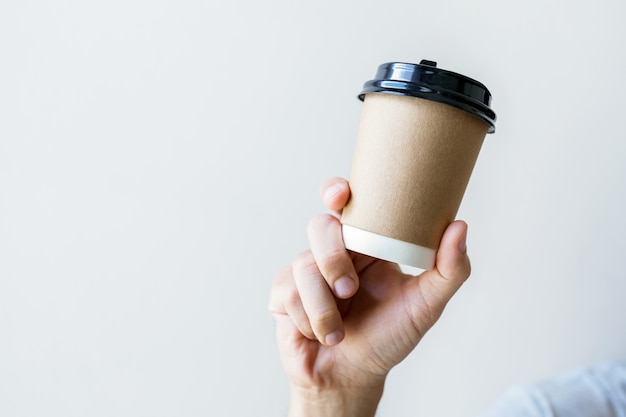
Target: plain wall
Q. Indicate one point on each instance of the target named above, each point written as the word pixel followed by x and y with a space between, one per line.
pixel 159 161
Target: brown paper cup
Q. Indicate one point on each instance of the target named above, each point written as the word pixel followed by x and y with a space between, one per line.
pixel 411 166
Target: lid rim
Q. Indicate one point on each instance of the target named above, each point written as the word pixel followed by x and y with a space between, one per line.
pixel 428 82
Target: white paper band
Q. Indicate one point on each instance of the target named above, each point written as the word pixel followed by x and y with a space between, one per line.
pixel 388 249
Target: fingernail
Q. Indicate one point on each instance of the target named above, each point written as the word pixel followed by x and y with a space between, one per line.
pixel 334 338
pixel 344 287
pixel 332 191
pixel 463 243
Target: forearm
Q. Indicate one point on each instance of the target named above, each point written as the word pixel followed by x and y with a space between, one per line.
pixel 334 403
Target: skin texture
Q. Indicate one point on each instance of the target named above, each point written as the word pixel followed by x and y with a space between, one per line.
pixel 343 319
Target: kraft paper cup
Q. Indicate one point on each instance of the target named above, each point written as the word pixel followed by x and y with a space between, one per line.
pixel 420 134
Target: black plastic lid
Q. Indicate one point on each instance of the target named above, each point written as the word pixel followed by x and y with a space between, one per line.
pixel 425 80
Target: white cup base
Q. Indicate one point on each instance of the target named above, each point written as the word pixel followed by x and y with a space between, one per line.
pixel 387 248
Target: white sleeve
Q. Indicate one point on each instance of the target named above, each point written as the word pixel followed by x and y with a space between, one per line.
pixel 598 391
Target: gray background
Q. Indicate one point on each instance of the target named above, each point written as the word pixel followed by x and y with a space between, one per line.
pixel 159 161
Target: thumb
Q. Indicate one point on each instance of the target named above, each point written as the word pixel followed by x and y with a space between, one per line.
pixel 452 268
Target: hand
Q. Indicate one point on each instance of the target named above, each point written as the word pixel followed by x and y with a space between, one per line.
pixel 343 319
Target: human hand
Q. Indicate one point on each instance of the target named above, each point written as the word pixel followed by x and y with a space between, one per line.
pixel 343 319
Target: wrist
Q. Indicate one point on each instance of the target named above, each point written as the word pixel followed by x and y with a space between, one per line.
pixel 328 402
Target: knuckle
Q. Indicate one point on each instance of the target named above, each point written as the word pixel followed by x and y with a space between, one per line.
pixel 321 221
pixel 281 277
pixel 324 321
pixel 332 260
pixel 305 263
pixel 281 281
pixel 292 297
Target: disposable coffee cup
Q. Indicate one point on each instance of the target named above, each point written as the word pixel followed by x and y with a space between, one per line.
pixel 421 130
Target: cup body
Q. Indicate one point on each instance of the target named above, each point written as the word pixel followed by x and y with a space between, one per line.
pixel 411 166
